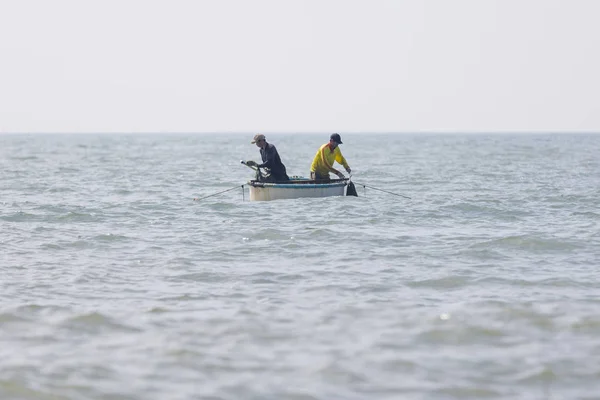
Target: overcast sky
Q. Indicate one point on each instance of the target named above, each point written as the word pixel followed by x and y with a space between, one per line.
pixel 299 66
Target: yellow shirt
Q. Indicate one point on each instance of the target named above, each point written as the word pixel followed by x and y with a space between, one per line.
pixel 323 162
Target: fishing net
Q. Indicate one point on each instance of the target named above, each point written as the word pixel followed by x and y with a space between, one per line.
pixel 263 175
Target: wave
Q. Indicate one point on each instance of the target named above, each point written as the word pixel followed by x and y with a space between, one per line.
pixel 529 243
pixel 95 321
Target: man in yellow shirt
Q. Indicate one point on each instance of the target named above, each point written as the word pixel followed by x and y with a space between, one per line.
pixel 322 164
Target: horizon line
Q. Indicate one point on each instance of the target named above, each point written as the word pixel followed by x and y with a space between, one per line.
pixel 467 132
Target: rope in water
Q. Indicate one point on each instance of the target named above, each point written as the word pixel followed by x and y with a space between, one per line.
pixel 381 190
pixel 214 194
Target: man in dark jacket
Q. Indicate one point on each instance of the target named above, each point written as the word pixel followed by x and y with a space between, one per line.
pixel 270 160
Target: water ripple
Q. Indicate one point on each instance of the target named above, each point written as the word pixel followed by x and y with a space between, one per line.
pixel 115 284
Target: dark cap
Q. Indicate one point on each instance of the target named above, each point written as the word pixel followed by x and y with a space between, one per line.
pixel 336 138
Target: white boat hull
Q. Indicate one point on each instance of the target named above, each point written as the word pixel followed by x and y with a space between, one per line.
pixel 260 191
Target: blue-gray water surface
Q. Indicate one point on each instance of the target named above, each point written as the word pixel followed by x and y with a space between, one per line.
pixel 116 284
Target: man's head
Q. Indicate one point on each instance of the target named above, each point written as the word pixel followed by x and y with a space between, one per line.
pixel 259 139
pixel 335 139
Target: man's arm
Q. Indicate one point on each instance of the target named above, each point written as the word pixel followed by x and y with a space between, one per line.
pixel 341 160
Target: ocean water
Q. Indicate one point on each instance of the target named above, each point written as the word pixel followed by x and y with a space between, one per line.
pixel 116 284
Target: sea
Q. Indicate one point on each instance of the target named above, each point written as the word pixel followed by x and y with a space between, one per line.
pixel 134 266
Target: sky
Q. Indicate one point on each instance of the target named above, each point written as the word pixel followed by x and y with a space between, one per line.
pixel 299 66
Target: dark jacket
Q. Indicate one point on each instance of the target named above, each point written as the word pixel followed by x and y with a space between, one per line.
pixel 271 160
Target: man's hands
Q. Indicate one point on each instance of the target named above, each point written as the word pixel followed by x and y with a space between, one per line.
pixel 251 163
pixel 348 170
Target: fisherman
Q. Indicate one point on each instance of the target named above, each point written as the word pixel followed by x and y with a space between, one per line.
pixel 322 164
pixel 270 161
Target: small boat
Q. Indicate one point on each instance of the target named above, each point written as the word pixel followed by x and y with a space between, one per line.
pixel 297 187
